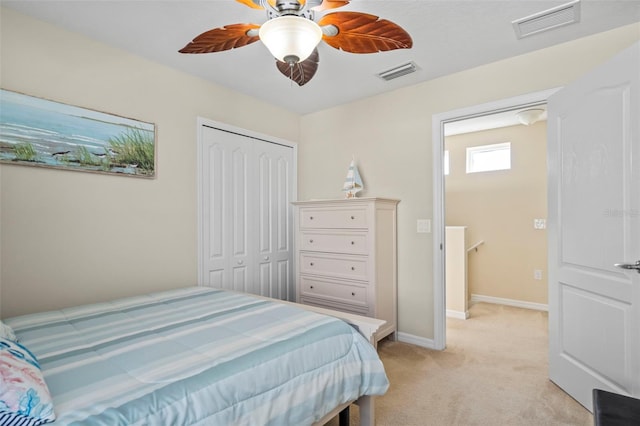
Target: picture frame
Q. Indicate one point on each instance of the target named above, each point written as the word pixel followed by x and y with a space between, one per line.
pixel 44 133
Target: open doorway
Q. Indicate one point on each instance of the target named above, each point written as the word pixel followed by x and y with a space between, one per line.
pixel 440 123
pixel 495 194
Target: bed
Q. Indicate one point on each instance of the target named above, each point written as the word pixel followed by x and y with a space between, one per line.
pixel 202 356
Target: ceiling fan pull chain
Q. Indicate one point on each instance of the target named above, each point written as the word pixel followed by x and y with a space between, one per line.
pixel 291 74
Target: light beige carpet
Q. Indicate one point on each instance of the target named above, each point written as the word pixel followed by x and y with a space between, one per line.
pixel 493 372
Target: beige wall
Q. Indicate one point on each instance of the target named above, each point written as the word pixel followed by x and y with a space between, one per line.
pixel 456 271
pixel 499 208
pixel 390 135
pixel 70 237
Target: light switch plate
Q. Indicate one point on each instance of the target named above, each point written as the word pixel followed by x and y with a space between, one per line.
pixel 424 226
pixel 539 224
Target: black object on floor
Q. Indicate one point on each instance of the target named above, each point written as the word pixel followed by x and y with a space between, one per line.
pixel 343 417
pixel 612 409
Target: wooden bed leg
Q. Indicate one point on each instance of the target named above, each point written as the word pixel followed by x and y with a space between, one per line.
pixel 343 417
pixel 367 410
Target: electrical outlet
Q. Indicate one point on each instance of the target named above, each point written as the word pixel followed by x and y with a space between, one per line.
pixel 424 226
pixel 537 274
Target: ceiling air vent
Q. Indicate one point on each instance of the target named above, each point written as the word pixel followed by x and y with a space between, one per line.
pixel 398 71
pixel 558 16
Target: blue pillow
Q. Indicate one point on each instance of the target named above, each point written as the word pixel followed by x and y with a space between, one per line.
pixel 24 395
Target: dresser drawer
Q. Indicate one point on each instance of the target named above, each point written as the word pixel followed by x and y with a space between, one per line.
pixel 334 291
pixel 349 218
pixel 357 310
pixel 341 266
pixel 334 242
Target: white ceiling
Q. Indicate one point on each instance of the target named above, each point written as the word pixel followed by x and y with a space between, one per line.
pixel 491 121
pixel 449 36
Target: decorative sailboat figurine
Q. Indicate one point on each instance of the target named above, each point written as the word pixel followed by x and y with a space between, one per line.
pixel 353 182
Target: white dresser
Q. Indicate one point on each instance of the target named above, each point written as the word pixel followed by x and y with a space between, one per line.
pixel 346 257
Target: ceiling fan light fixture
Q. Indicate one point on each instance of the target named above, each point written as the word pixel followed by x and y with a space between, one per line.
pixel 289 38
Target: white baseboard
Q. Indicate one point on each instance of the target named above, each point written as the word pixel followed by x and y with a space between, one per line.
pixel 457 314
pixel 509 302
pixel 416 340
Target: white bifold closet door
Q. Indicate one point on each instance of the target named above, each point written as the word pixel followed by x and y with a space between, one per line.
pixel 247 188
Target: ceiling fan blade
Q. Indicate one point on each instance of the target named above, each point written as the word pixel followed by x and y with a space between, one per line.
pixel 301 72
pixel 225 38
pixel 257 4
pixel 363 33
pixel 254 4
pixel 330 4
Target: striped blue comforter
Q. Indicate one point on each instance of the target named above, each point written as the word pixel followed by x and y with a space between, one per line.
pixel 198 356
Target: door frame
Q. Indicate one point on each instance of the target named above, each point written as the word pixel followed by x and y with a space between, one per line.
pixel 260 137
pixel 438 123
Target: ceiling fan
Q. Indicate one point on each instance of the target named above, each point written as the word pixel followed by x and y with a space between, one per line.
pixel 291 34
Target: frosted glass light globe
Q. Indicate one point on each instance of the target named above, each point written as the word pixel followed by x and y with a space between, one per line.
pixel 290 39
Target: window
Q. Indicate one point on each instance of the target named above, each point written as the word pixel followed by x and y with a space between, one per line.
pixel 486 158
pixel 446 163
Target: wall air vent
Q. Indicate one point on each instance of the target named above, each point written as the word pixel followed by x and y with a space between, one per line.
pixel 398 71
pixel 558 16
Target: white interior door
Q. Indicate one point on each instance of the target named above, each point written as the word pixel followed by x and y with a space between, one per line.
pixel 245 239
pixel 273 221
pixel 226 167
pixel 594 223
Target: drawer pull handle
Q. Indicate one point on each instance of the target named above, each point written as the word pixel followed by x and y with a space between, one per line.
pixel 353 268
pixel 353 242
pixel 353 293
pixel 310 217
pixel 266 258
pixel 311 287
pixel 353 217
pixel 310 241
pixel 311 264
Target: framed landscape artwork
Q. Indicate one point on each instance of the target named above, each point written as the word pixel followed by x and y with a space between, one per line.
pixel 42 133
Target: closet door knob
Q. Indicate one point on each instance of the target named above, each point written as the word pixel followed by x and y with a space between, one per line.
pixel 240 262
pixel 266 258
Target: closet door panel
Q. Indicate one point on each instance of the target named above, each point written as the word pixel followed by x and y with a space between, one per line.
pixel 216 278
pixel 239 202
pixel 247 187
pixel 240 281
pixel 274 219
pixel 264 276
pixel 265 279
pixel 226 179
pixel 216 190
pixel 215 246
pixel 264 200
pixel 283 202
pixel 284 285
